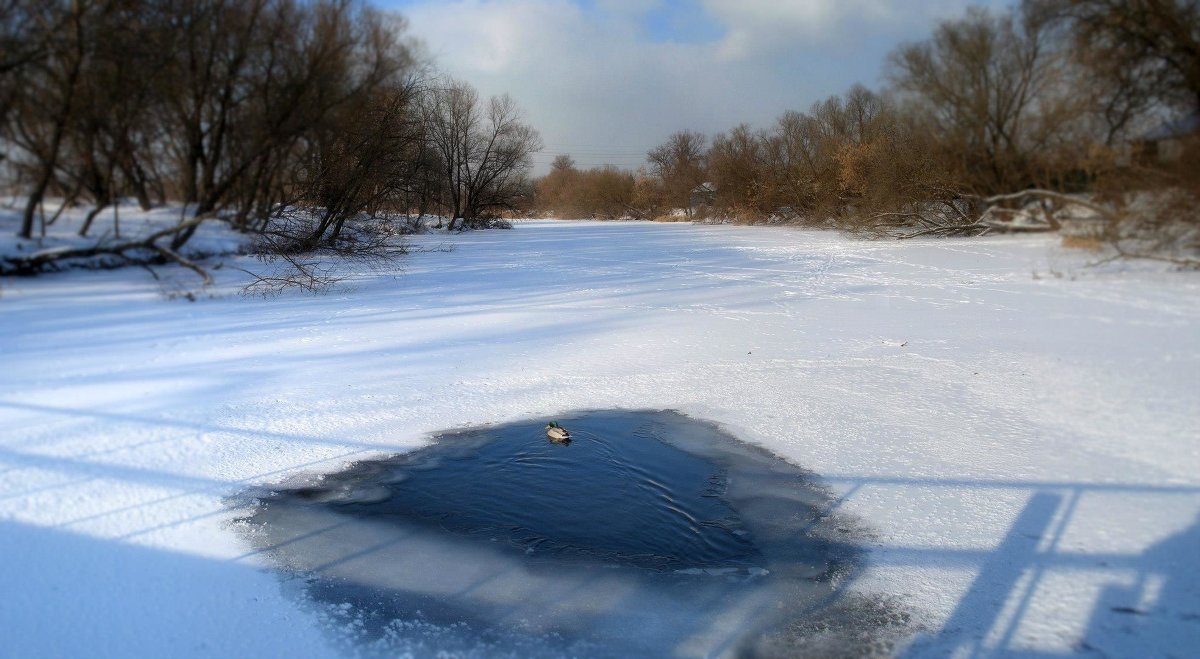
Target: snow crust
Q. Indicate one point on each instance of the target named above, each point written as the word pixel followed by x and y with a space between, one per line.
pixel 1020 433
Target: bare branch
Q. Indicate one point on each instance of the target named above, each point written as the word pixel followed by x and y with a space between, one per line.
pixel 47 259
pixel 1057 196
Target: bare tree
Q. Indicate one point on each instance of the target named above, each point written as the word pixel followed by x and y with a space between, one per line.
pixel 26 28
pixel 108 133
pixel 681 164
pixel 368 159
pixel 43 110
pixel 556 191
pixel 254 78
pixel 989 82
pixel 737 165
pixel 484 149
pixel 306 122
pixel 601 192
pixel 1151 47
pixel 795 162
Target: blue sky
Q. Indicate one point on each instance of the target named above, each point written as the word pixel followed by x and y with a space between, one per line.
pixel 606 80
pixel 679 22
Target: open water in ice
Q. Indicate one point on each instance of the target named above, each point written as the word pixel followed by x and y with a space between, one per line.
pixel 650 534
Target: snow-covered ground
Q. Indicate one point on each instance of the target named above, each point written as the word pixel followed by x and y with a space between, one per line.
pixel 1020 433
pixel 128 223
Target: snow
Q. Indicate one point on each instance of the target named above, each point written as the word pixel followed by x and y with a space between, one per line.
pixel 1020 433
pixel 62 234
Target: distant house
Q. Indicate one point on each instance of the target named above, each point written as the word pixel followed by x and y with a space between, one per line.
pixel 1164 144
pixel 702 195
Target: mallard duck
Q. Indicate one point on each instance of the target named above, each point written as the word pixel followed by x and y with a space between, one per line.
pixel 557 433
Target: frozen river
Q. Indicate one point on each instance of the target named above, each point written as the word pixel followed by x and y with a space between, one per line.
pixel 1015 435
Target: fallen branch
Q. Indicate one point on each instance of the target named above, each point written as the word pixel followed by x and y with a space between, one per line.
pixel 1118 219
pixel 1188 263
pixel 933 217
pixel 300 264
pixel 989 219
pixel 899 215
pixel 1107 213
pixel 945 231
pixel 42 260
pixel 190 265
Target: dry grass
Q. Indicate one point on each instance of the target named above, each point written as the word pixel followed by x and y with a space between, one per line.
pixel 1090 243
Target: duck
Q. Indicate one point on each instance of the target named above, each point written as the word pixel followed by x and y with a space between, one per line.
pixel 557 433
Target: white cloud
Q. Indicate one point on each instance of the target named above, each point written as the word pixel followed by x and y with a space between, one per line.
pixel 598 87
pixel 768 27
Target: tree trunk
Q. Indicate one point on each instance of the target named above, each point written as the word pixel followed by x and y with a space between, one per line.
pixel 87 222
pixel 39 189
pixel 60 126
pixel 137 181
pixel 180 239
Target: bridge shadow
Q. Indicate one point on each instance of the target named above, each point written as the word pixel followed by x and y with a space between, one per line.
pixel 71 595
pixel 1162 603
pixel 1111 603
pixel 1144 604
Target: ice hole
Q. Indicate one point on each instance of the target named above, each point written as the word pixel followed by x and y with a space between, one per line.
pixel 649 533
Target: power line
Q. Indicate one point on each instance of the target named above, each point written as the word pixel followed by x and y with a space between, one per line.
pixel 629 154
pixel 586 156
pixel 569 145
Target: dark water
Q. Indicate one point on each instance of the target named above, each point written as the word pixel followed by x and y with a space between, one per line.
pixel 616 494
pixel 649 534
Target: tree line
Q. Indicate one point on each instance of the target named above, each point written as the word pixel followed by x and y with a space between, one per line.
pixel 1048 96
pixel 244 110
